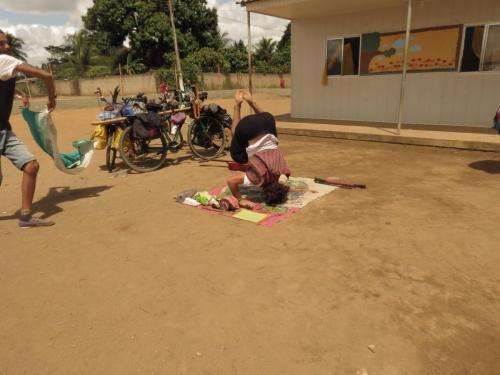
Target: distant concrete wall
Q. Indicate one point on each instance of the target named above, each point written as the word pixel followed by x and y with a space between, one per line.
pixel 130 85
pixel 219 81
pixel 67 87
pixel 133 84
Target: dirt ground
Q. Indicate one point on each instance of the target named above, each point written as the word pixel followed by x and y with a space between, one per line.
pixel 130 282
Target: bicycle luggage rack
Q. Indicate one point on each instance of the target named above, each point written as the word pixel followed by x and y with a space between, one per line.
pixel 122 119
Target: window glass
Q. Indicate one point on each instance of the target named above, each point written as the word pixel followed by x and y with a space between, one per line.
pixel 473 44
pixel 334 49
pixel 492 49
pixel 351 56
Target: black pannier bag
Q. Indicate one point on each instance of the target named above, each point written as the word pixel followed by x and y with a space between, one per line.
pixel 147 125
pixel 219 113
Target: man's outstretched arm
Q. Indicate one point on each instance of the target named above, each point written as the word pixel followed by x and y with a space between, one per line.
pixel 47 77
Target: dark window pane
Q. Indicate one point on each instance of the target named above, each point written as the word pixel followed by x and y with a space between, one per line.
pixel 351 56
pixel 473 45
pixel 334 50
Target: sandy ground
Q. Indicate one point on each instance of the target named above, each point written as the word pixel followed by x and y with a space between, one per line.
pixel 130 282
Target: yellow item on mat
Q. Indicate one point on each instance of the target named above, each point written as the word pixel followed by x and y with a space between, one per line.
pixel 248 215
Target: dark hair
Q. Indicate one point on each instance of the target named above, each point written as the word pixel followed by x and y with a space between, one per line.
pixel 2 32
pixel 275 193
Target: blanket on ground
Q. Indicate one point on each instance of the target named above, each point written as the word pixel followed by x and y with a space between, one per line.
pixel 302 192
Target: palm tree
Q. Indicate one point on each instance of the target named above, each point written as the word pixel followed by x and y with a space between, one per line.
pixel 264 49
pixel 222 39
pixel 16 47
pixel 78 58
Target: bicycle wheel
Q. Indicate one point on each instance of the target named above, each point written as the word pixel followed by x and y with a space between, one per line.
pixel 206 138
pixel 143 154
pixel 110 153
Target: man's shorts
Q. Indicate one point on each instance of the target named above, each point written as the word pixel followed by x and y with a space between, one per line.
pixel 14 150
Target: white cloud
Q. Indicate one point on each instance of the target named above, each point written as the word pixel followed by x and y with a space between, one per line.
pixel 233 20
pixel 36 37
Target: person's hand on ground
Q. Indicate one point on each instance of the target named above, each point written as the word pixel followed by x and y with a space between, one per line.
pixel 245 203
pixel 238 97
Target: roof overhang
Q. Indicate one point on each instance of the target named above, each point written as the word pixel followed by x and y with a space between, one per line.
pixel 301 9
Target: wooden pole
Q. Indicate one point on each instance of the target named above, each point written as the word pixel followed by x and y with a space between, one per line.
pixel 177 56
pixel 249 47
pixel 121 78
pixel 405 63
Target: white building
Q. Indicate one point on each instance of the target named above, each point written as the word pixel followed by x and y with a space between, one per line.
pixel 453 59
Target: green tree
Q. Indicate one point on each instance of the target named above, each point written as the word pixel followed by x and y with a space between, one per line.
pixel 281 59
pixel 285 40
pixel 79 57
pixel 221 40
pixel 147 26
pixel 264 49
pixel 237 57
pixel 16 47
pixel 209 60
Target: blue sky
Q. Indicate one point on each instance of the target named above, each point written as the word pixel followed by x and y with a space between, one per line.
pixel 46 22
pixel 47 19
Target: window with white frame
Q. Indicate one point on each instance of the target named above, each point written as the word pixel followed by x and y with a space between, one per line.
pixel 342 56
pixel 481 48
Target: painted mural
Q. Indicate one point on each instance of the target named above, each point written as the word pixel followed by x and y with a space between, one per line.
pixel 433 49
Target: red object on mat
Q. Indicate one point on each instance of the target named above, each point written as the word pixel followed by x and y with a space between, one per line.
pixel 233 166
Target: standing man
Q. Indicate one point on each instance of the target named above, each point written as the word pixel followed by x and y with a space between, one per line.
pixel 10 146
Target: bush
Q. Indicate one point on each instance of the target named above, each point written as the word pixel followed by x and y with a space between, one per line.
pixel 165 75
pixel 190 73
pixel 98 71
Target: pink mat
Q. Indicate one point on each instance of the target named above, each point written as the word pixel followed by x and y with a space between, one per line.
pixel 302 191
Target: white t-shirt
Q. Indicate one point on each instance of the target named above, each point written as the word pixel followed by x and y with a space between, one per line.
pixel 7 66
pixel 267 142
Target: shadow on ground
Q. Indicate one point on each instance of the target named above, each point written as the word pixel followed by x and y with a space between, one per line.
pixel 49 205
pixel 488 166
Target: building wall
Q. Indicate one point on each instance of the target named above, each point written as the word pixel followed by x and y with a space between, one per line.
pixel 447 98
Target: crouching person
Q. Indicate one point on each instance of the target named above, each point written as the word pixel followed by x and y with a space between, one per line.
pixel 255 145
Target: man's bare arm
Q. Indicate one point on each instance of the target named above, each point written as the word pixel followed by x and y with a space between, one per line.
pixel 251 102
pixel 47 77
pixel 238 98
pixel 233 182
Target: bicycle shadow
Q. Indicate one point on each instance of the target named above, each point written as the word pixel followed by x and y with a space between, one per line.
pixel 49 205
pixel 118 166
pixel 216 163
pixel 488 166
pixel 174 160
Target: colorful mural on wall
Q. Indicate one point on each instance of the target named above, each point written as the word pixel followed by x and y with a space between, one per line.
pixel 435 49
